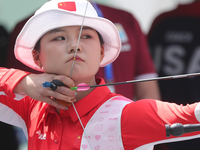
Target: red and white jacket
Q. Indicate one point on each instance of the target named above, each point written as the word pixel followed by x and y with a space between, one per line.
pixel 142 122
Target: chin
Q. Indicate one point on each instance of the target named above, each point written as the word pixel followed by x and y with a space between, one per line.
pixel 64 72
pixel 77 78
pixel 83 79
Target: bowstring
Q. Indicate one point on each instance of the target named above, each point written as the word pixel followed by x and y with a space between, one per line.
pixel 84 132
pixel 78 40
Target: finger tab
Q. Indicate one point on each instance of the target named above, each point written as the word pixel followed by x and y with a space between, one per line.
pixel 67 104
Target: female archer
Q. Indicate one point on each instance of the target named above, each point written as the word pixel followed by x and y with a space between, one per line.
pixel 69 42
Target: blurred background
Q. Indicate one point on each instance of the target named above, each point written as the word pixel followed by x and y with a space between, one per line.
pixel 11 11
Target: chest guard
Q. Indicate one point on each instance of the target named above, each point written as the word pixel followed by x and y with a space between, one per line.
pixel 103 131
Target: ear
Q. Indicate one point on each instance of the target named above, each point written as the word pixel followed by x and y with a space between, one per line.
pixel 102 53
pixel 36 58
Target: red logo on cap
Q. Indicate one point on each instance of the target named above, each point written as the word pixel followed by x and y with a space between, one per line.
pixel 70 6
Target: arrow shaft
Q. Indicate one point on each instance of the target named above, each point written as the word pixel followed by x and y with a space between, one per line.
pixel 150 79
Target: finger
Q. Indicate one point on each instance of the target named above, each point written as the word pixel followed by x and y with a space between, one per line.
pixel 66 91
pixel 46 95
pixel 60 96
pixel 66 80
pixel 58 82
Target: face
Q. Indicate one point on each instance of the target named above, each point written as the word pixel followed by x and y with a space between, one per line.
pixel 57 49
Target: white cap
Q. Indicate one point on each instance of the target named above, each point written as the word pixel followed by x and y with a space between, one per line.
pixel 61 13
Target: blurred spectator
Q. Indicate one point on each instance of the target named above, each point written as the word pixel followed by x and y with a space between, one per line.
pixel 4 38
pixel 134 61
pixel 174 41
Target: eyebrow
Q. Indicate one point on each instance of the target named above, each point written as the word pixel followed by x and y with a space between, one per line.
pixel 88 28
pixel 56 30
pixel 62 30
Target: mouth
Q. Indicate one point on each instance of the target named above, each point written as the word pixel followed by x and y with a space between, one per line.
pixel 76 59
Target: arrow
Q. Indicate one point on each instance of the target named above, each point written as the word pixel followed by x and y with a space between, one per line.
pixel 84 87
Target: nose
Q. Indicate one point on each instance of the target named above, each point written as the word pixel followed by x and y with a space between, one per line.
pixel 74 44
pixel 73 48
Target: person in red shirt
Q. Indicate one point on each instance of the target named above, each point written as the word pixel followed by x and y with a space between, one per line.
pixel 92 119
pixel 134 61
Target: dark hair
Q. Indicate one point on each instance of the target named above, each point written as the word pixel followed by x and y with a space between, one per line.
pixel 37 45
pixel 100 38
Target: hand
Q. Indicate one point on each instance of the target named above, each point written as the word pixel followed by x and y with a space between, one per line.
pixel 31 85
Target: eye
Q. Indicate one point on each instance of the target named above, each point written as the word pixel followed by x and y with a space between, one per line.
pixel 86 36
pixel 59 38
